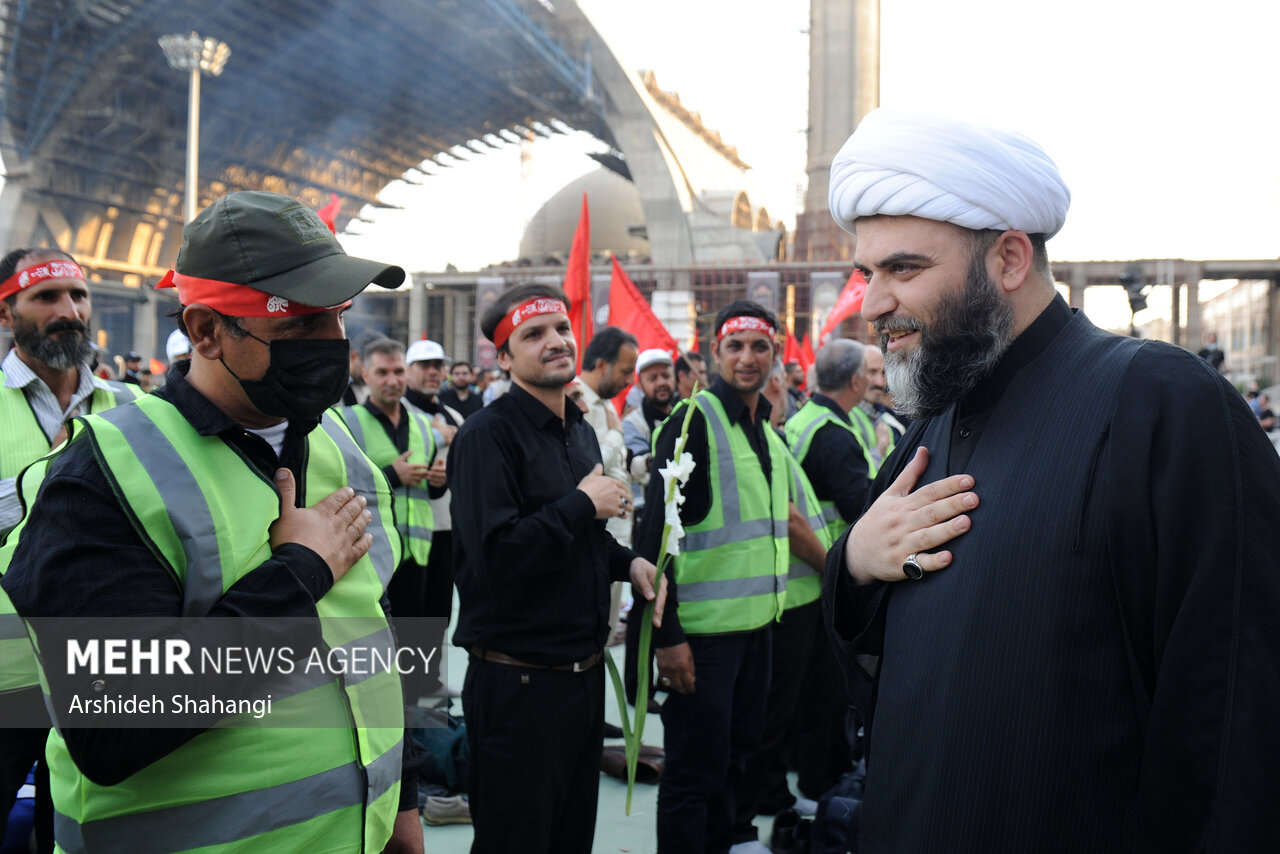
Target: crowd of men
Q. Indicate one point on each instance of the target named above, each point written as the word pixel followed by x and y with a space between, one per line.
pixel 1016 565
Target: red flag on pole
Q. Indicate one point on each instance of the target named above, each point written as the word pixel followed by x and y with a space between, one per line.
pixel 849 303
pixel 790 349
pixel 329 213
pixel 577 283
pixel 629 310
pixel 806 354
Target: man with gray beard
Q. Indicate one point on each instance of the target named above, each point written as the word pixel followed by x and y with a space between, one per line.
pixel 1056 642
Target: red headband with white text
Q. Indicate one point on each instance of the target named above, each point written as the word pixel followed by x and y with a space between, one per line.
pixel 37 273
pixel 524 311
pixel 236 300
pixel 744 323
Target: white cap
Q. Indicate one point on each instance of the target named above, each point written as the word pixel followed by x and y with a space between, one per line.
pixel 177 345
pixel 652 357
pixel 424 351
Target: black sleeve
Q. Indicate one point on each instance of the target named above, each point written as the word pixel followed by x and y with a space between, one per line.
pixel 697 503
pixel 65 567
pixel 486 493
pixel 1195 489
pixel 838 470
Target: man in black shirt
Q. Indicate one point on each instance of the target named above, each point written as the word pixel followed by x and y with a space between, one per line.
pixel 461 394
pixel 533 564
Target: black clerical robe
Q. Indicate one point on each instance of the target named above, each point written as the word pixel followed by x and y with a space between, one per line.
pixel 1099 667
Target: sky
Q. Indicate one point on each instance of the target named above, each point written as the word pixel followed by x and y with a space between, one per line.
pixel 1160 115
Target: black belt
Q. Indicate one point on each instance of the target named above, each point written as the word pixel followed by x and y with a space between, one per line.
pixel 498 658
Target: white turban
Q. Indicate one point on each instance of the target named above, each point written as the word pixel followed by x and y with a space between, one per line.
pixel 901 163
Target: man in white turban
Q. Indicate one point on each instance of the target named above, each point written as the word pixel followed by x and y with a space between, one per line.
pixel 1057 614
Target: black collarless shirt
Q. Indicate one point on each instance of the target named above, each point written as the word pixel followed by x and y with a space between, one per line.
pixel 974 409
pixel 531 561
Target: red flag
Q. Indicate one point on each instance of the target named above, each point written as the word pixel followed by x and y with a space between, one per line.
pixel 329 213
pixel 629 310
pixel 849 303
pixel 577 282
pixel 790 349
pixel 806 354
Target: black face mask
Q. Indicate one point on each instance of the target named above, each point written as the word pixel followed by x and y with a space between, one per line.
pixel 304 378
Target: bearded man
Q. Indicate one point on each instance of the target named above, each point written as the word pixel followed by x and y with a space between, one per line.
pixel 1056 643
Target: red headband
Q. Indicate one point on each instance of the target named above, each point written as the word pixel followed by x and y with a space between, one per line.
pixel 744 323
pixel 236 300
pixel 524 311
pixel 35 274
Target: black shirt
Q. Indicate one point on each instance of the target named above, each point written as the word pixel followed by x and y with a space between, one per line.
pixel 473 404
pixel 531 561
pixel 697 492
pixel 430 404
pixel 836 465
pixel 79 556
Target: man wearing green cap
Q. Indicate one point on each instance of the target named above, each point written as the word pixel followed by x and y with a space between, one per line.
pixel 229 493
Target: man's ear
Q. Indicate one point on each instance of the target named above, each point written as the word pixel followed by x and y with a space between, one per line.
pixel 1014 258
pixel 202 325
pixel 6 314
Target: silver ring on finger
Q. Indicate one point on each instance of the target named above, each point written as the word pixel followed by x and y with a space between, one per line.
pixel 911 568
pixel 666 681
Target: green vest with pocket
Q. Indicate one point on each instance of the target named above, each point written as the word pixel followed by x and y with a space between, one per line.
pixel 24 442
pixel 804 584
pixel 731 573
pixel 412 503
pixel 207 514
pixel 801 428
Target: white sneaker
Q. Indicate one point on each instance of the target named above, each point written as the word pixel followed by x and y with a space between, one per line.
pixel 755 846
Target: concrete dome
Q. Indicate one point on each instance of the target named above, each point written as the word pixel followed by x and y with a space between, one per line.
pixel 617 219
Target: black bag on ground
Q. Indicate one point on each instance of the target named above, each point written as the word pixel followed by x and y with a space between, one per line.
pixel 835 829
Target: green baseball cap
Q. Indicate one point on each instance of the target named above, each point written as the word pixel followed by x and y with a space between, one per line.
pixel 277 245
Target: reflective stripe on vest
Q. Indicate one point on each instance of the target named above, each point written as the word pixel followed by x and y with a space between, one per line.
pixel 25 442
pixel 732 568
pixel 414 518
pixel 865 429
pixel 249 789
pixel 804 585
pixel 801 429
pixel 290 804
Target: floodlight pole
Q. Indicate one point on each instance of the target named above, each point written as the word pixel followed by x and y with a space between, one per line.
pixel 193 145
pixel 195 55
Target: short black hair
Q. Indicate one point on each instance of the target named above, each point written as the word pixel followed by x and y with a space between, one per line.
pixel 9 263
pixel 745 308
pixel 460 363
pixel 510 298
pixel 682 363
pixel 606 344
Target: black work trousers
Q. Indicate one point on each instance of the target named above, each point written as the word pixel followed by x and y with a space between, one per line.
pixel 421 604
pixel 535 738
pixel 708 736
pixel 764 782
